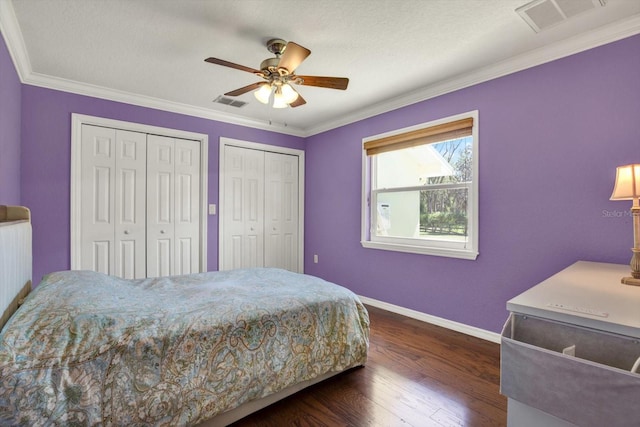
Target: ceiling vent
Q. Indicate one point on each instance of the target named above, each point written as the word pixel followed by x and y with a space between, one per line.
pixel 230 102
pixel 542 14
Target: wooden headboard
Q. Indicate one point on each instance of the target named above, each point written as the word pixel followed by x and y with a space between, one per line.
pixel 14 213
pixel 15 259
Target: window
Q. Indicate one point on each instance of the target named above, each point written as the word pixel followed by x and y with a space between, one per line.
pixel 420 188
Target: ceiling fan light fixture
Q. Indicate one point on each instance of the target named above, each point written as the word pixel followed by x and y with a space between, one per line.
pixel 279 100
pixel 278 72
pixel 263 93
pixel 289 93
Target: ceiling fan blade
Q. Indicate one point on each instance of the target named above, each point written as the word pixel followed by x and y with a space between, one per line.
pixel 298 102
pixel 329 82
pixel 245 89
pixel 293 56
pixel 232 65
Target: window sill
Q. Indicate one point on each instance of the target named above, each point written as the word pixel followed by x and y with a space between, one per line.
pixel 423 250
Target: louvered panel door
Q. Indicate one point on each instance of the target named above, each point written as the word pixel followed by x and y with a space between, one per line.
pixel 187 203
pixel 130 205
pixel 97 207
pixel 281 211
pixel 243 208
pixel 160 209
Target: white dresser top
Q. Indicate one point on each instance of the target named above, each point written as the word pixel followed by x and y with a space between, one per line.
pixel 587 294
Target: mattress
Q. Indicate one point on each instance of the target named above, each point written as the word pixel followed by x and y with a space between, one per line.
pixel 89 348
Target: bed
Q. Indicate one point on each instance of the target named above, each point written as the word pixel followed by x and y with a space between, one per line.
pixel 202 349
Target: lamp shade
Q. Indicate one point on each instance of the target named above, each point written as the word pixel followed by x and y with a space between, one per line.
pixel 627 185
pixel 279 100
pixel 263 93
pixel 289 93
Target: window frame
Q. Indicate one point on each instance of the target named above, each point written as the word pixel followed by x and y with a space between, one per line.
pixel 434 247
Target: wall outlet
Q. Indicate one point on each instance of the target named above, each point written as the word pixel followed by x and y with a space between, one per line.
pixel 212 209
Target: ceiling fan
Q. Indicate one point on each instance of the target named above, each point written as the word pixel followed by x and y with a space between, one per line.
pixel 278 74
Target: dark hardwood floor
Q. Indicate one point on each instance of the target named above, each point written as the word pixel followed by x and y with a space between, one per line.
pixel 417 375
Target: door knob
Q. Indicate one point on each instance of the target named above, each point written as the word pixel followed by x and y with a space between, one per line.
pixel 126 231
pixel 161 231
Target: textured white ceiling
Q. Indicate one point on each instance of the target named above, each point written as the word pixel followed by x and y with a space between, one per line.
pixel 392 51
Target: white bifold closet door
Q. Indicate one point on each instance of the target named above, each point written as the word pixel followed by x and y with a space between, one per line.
pixel 243 208
pixel 139 203
pixel 260 209
pixel 281 211
pixel 173 168
pixel 113 202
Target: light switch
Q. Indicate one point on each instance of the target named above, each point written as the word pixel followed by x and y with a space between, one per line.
pixel 212 209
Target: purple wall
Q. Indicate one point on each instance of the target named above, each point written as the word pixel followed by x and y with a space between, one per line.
pixel 9 129
pixel 550 140
pixel 46 154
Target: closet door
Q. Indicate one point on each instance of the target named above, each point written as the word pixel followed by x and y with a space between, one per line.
pixel 97 208
pixel 281 211
pixel 173 215
pixel 130 205
pixel 113 204
pixel 243 208
pixel 160 200
pixel 137 199
pixel 187 207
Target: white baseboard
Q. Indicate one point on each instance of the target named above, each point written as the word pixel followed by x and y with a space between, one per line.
pixel 434 320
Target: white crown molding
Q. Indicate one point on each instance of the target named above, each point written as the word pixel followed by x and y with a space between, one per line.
pixel 604 35
pixel 609 33
pixel 65 85
pixel 434 320
pixel 10 30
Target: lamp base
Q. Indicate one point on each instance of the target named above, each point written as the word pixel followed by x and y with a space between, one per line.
pixel 630 281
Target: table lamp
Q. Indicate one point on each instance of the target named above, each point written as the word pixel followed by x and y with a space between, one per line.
pixel 627 187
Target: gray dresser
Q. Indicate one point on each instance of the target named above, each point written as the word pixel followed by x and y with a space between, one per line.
pixel 568 350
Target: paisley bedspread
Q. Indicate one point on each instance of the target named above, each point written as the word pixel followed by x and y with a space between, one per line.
pixel 91 349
